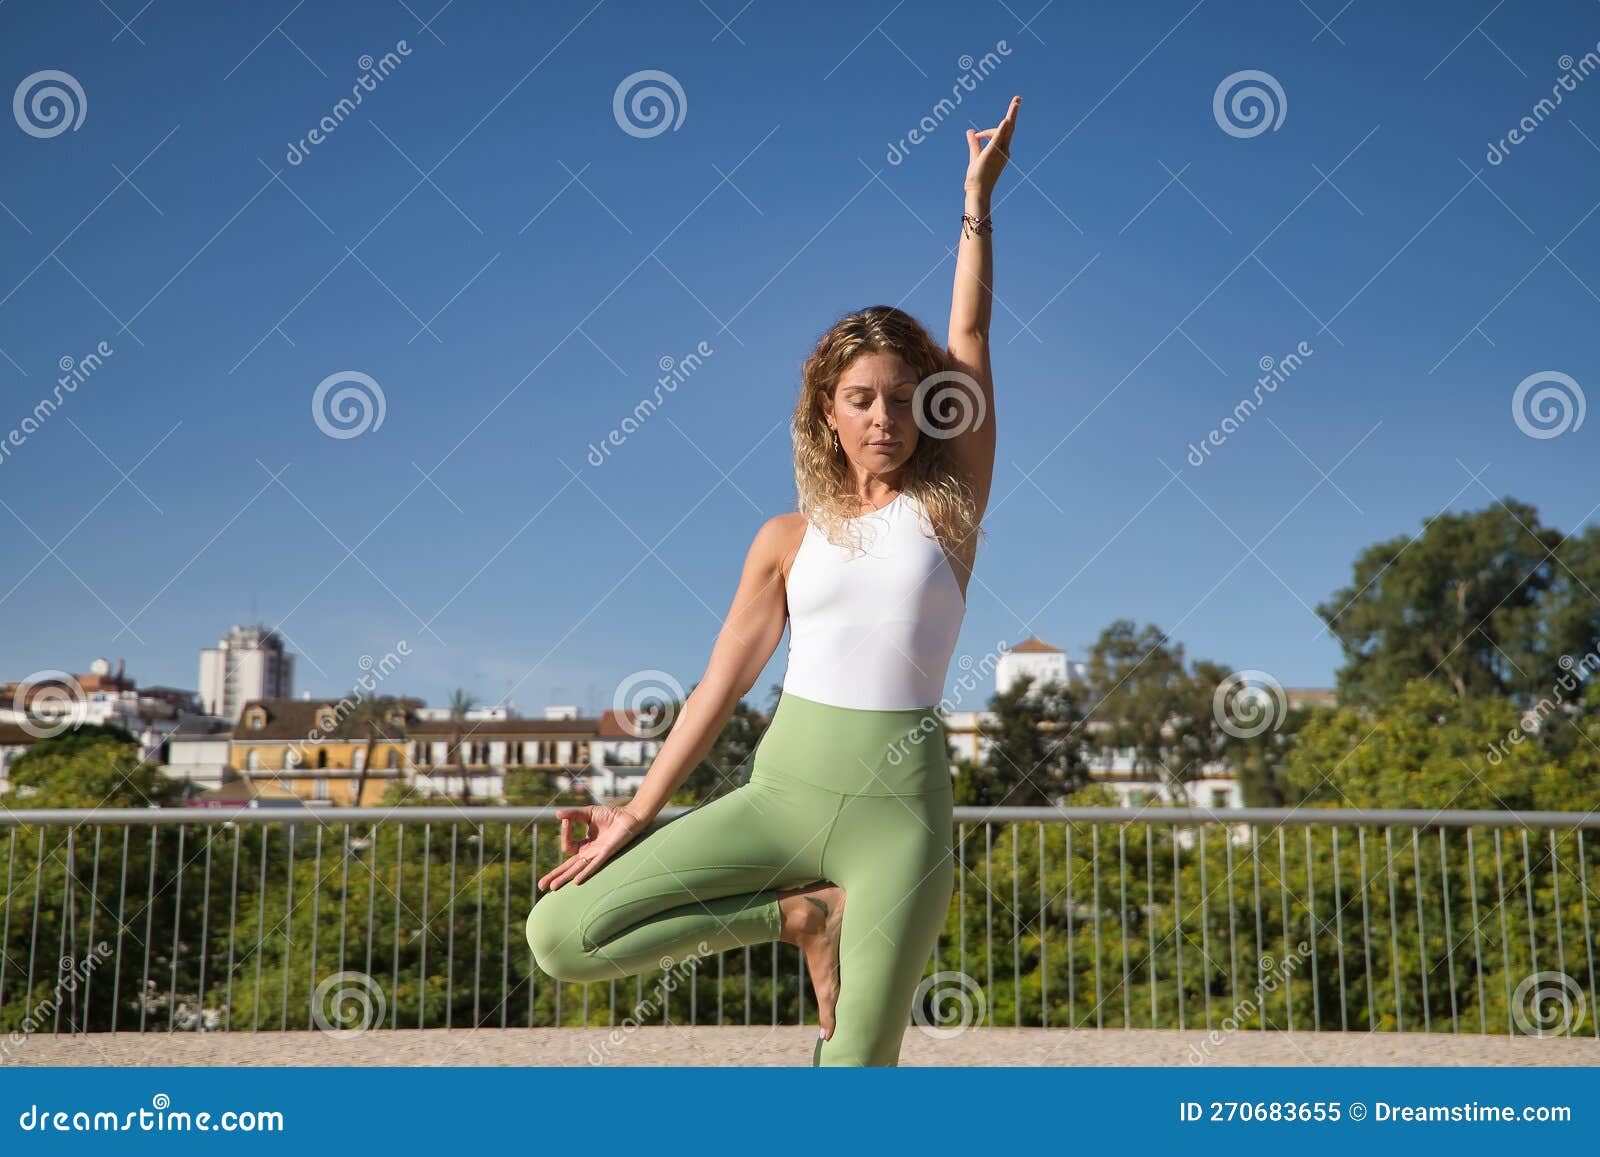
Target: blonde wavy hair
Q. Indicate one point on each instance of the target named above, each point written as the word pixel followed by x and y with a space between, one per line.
pixel 827 494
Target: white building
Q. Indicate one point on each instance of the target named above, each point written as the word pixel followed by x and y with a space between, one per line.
pixel 197 751
pixel 249 663
pixel 1033 656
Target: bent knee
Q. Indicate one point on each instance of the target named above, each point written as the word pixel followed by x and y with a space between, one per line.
pixel 555 936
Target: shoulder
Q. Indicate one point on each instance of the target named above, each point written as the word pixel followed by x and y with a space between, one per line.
pixel 777 541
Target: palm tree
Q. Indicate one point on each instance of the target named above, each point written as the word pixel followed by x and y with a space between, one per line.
pixel 461 702
pixel 372 718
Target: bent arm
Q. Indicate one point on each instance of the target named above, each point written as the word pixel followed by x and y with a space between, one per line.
pixel 748 638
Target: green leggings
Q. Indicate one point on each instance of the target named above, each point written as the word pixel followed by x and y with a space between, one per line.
pixel 861 798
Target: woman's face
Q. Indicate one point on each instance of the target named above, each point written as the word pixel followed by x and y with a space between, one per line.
pixel 872 412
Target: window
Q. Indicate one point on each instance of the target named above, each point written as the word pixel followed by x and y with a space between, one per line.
pixel 1219 798
pixel 252 760
pixel 321 787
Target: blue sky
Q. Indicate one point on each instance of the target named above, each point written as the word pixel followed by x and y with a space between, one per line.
pixel 515 306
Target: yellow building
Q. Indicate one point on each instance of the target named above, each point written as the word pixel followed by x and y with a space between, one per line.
pixel 316 750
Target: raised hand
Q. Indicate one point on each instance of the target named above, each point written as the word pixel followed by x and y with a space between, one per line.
pixel 606 830
pixel 984 163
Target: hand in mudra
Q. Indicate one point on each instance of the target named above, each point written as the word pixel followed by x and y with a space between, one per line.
pixel 607 830
pixel 985 161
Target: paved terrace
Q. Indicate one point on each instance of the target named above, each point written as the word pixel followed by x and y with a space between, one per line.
pixel 738 1045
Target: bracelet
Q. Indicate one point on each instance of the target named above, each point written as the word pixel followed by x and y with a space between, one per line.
pixel 976 226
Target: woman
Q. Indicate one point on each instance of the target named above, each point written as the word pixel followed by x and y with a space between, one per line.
pixel 840 842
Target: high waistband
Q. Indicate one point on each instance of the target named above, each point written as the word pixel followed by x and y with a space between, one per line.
pixel 854 751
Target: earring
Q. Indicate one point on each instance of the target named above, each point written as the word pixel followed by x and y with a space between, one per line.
pixel 837 445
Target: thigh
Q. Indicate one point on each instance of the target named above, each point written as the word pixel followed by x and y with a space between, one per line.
pixel 893 857
pixel 751 840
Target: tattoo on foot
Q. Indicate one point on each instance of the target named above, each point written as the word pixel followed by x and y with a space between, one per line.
pixel 820 904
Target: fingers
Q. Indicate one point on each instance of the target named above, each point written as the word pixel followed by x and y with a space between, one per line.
pixel 561 874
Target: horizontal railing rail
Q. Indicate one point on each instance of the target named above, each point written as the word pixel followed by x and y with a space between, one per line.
pixel 1162 917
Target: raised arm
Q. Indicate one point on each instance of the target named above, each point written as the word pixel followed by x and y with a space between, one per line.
pixel 972 298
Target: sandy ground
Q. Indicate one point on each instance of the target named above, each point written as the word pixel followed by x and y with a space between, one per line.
pixel 740 1046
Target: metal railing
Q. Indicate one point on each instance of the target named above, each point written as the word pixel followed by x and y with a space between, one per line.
pixel 271 919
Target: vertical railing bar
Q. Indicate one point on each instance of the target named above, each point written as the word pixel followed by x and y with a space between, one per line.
pixel 1283 899
pixel 1366 933
pixel 1555 900
pixel 61 939
pixel 450 937
pixel 505 934
pixel 533 970
pixel 1122 909
pixel 1477 932
pixel 1099 915
pixel 370 859
pixel 233 930
pixel 149 916
pixel 1177 923
pixel 1072 966
pixel 1505 929
pixel 988 916
pixel 288 931
pixel 33 936
pixel 1394 934
pixel 261 927
pixel 1255 867
pixel 1338 932
pixel 422 962
pixel 5 937
pixel 1044 941
pixel 1233 920
pixel 344 894
pixel 399 887
pixel 477 956
pixel 1016 932
pixel 1449 937
pixel 205 930
pixel 177 921
pixel 1205 924
pixel 316 919
pixel 1422 938
pixel 94 907
pixel 122 912
pixel 1149 914
pixel 1588 936
pixel 1527 890
pixel 961 881
pixel 1311 932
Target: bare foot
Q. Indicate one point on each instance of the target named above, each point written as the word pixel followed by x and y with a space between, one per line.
pixel 812 918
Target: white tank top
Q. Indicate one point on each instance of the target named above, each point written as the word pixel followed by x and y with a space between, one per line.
pixel 874 629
